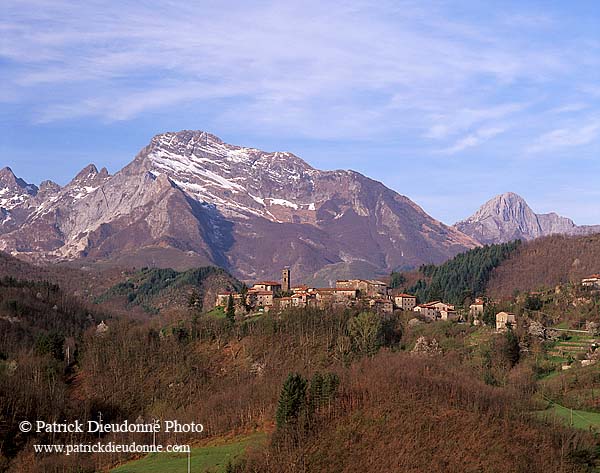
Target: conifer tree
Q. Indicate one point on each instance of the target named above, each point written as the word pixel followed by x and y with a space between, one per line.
pixel 316 390
pixel 291 400
pixel 230 310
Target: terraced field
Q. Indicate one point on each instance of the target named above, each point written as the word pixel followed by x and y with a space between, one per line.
pixel 577 344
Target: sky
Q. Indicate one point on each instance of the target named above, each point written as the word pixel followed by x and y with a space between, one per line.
pixel 446 102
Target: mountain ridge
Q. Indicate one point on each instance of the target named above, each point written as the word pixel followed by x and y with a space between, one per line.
pixel 251 211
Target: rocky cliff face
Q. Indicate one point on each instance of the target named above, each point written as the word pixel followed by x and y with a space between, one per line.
pixel 188 198
pixel 507 217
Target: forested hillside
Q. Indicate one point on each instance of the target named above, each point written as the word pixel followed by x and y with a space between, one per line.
pixel 546 262
pixel 230 377
pixel 333 389
pixel 33 314
pixel 463 277
pixel 156 288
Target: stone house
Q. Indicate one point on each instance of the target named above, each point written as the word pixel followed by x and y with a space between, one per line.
pixel 367 287
pixel 272 286
pixel 262 298
pixel 504 319
pixel 441 305
pixel 405 301
pixel 223 298
pixel 476 309
pixel 427 311
pixel 449 314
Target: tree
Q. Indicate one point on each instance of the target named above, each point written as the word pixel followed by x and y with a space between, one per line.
pixel 331 382
pixel 316 391
pixel 292 400
pixel 51 343
pixel 195 301
pixel 322 390
pixel 532 302
pixel 244 297
pixel 512 349
pixel 230 311
pixel 489 314
pixel 397 280
pixel 365 333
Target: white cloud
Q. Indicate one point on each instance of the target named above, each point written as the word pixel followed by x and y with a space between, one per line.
pixel 567 137
pixel 474 139
pixel 322 70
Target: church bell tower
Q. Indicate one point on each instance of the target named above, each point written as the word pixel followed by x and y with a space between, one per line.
pixel 285 280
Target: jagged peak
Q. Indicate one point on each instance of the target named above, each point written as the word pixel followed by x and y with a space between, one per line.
pixel 49 185
pixel 89 171
pixel 9 179
pixel 88 175
pixel 188 136
pixel 7 171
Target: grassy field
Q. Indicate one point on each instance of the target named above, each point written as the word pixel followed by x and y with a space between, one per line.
pixel 211 458
pixel 218 312
pixel 580 419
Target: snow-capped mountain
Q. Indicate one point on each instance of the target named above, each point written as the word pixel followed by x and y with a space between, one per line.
pixel 188 198
pixel 507 217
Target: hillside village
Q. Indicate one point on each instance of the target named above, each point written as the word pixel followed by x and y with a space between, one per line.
pixel 376 296
pixel 266 296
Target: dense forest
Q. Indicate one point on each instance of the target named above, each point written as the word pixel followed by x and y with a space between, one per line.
pixel 462 278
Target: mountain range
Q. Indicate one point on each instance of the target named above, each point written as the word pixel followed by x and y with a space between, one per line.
pixel 189 199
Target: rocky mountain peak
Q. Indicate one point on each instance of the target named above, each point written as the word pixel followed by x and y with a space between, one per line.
pixel 49 186
pixel 508 217
pixel 7 173
pixel 241 180
pixel 13 190
pixel 205 146
pixel 90 174
pixel 9 180
pixel 507 207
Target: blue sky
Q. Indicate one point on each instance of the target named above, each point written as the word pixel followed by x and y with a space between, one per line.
pixel 448 103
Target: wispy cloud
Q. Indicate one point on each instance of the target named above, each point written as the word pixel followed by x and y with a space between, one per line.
pixel 401 64
pixel 474 139
pixel 313 69
pixel 567 137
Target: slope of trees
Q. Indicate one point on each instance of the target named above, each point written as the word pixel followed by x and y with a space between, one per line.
pixel 464 276
pixel 148 285
pixel 434 416
pixel 546 262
